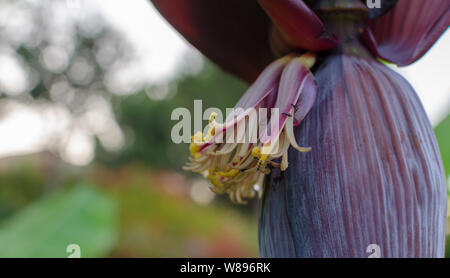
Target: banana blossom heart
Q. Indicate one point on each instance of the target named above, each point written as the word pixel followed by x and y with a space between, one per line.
pixel 238 35
pixel 370 173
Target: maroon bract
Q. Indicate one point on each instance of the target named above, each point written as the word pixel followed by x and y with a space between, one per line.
pixel 406 33
pixel 370 172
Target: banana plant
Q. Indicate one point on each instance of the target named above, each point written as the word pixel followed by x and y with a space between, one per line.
pixel 350 163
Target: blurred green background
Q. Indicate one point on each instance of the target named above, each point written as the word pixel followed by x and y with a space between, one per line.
pixel 82 162
pixel 103 173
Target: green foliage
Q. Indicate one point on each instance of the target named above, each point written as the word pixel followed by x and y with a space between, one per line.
pixel 157 223
pixel 83 215
pixel 18 186
pixel 443 137
pixel 447 246
pixel 442 132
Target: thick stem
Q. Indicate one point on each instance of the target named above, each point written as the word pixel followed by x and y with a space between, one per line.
pixel 345 19
pixel 349 34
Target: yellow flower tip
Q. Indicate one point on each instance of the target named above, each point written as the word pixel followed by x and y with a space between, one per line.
pixel 212 117
pixel 229 174
pixel 267 149
pixel 308 59
pixel 215 180
pixel 287 58
pixel 208 136
pixel 197 155
pixel 263 158
pixel 211 132
pixel 256 152
pixel 304 150
pixel 212 127
pixel 284 162
pixel 198 138
pixel 194 148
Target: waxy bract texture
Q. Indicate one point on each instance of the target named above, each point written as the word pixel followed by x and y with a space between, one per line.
pixel 406 32
pixel 236 33
pixel 232 33
pixel 373 176
pixel 374 173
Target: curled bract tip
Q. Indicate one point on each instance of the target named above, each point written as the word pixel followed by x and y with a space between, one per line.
pixel 235 155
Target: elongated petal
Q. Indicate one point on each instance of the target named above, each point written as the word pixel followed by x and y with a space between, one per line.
pixel 299 24
pixel 265 86
pixel 266 83
pixel 225 153
pixel 296 81
pixel 232 33
pixel 295 78
pixel 306 100
pixel 374 174
pixel 291 84
pixel 405 33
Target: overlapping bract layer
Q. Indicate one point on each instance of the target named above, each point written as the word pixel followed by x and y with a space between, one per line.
pixel 405 33
pixel 374 174
pixel 299 25
pixel 237 34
